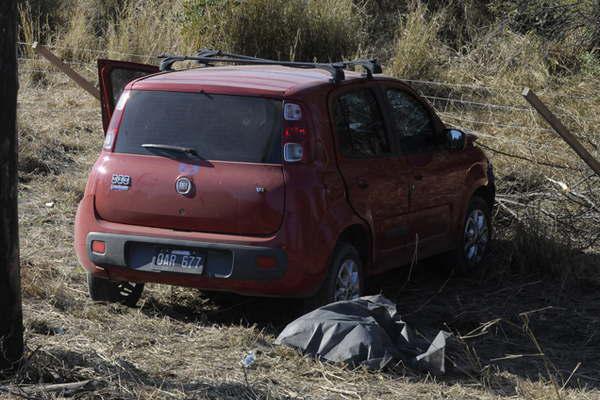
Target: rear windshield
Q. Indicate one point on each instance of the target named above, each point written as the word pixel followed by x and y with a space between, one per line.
pixel 218 127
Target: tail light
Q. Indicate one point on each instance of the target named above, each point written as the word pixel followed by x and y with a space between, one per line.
pixel 98 246
pixel 115 121
pixel 295 134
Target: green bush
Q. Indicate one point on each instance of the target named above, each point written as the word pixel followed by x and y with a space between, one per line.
pixel 280 29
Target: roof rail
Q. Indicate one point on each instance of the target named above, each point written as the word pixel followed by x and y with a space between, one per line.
pixel 207 57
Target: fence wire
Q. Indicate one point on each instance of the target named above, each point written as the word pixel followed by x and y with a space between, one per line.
pixel 454 109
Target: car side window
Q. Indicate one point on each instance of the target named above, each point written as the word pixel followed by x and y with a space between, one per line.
pixel 359 125
pixel 412 122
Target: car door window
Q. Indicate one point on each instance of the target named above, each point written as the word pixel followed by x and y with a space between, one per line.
pixel 359 125
pixel 412 122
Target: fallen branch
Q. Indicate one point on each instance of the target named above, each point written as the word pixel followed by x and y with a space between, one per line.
pixel 46 388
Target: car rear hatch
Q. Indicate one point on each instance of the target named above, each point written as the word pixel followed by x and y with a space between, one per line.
pixel 194 161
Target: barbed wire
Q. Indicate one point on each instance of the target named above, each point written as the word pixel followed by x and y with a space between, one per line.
pixel 533 149
pixel 530 147
pixel 95 51
pixel 520 157
pixel 497 124
pixel 574 95
pixel 507 126
pixel 510 86
pixel 45 71
pixel 69 62
pixel 476 103
pixel 55 108
pixel 489 106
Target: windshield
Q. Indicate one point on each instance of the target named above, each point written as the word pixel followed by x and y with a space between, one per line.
pixel 216 127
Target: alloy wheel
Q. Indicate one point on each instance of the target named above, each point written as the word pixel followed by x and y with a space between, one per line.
pixel 476 236
pixel 347 284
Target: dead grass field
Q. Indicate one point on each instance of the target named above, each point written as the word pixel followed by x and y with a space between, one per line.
pixel 529 325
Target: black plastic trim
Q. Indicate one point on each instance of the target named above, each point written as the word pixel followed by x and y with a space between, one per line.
pixel 223 260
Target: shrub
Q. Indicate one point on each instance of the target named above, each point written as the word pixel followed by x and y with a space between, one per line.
pixel 279 29
pixel 50 13
pixel 504 57
pixel 569 28
pixel 590 64
pixel 550 19
pixel 122 28
pixel 145 27
pixel 417 51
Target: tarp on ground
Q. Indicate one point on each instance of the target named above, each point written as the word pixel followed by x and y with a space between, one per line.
pixel 366 331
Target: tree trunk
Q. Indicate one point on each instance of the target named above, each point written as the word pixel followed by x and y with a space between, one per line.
pixel 11 320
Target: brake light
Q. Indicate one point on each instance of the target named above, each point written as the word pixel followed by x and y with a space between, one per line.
pixel 98 246
pixel 295 134
pixel 115 121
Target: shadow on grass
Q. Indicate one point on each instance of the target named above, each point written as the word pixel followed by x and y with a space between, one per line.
pixel 117 379
pixel 499 314
pixel 512 318
pixel 268 314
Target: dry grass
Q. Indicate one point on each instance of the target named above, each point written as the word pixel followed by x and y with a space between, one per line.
pixel 277 29
pixel 179 344
pixel 417 50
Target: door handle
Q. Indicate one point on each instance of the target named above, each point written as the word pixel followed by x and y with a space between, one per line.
pixel 361 183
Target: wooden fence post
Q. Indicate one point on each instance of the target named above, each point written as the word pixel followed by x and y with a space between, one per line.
pixel 11 319
pixel 561 130
pixel 70 72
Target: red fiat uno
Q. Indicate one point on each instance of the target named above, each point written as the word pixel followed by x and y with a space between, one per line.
pixel 273 179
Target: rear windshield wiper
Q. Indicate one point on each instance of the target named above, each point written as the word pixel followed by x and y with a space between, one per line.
pixel 165 148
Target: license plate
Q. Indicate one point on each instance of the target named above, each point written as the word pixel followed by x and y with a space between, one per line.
pixel 178 261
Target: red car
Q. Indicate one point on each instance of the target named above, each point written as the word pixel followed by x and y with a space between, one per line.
pixel 273 179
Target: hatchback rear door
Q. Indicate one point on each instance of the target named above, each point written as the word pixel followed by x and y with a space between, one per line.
pixel 113 77
pixel 194 161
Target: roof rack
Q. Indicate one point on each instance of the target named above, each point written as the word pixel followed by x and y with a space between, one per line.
pixel 207 57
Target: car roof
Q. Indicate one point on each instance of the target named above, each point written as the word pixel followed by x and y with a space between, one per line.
pixel 259 79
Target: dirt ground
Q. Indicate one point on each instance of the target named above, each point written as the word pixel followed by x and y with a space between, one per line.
pixel 519 335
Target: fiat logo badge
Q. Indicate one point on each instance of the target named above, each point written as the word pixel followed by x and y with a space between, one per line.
pixel 183 185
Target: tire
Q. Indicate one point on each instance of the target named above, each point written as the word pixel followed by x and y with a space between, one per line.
pixel 476 234
pixel 127 293
pixel 344 281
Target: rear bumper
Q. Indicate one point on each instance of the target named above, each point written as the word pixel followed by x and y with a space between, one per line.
pixel 223 261
pixel 230 264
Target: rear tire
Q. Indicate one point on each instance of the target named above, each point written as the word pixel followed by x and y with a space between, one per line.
pixel 476 235
pixel 344 281
pixel 127 293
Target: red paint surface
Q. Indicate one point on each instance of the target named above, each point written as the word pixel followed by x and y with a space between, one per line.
pixel 305 207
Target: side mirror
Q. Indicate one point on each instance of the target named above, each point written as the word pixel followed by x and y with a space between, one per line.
pixel 455 139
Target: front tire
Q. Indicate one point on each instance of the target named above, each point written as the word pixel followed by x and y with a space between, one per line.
pixel 476 235
pixel 127 293
pixel 345 280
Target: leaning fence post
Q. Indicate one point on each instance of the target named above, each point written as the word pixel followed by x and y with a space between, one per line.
pixel 561 130
pixel 80 80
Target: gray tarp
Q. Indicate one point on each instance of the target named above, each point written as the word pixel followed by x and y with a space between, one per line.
pixel 366 331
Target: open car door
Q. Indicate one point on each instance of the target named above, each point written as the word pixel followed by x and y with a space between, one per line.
pixel 113 77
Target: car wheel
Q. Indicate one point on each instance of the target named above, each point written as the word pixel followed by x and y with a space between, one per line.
pixel 476 236
pixel 344 281
pixel 127 293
